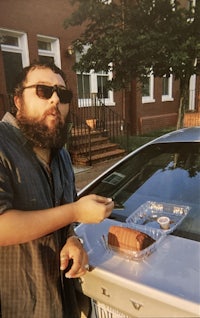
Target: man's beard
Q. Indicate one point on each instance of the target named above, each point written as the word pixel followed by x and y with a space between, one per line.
pixel 39 134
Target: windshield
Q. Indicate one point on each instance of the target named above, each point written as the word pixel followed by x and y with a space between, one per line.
pixel 168 173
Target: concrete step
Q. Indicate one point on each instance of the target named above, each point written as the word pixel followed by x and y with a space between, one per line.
pixel 76 134
pixel 100 157
pixel 102 148
pixel 82 142
pixel 96 149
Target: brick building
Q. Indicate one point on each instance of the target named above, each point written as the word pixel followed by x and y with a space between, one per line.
pixel 33 30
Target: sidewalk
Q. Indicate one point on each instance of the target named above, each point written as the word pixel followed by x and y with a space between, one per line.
pixel 84 175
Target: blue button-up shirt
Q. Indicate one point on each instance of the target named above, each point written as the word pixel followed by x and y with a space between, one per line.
pixel 24 181
pixel 29 273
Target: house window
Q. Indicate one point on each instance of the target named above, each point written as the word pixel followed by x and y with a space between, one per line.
pixel 191 5
pixel 92 85
pixel 83 86
pixel 49 50
pixel 148 89
pixel 167 88
pixel 15 54
pixel 102 91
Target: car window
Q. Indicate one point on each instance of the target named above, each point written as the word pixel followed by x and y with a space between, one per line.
pixel 168 172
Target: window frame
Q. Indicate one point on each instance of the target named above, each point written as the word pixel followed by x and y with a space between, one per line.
pixel 106 1
pixel 192 91
pixel 22 47
pixel 168 97
pixel 55 48
pixel 150 98
pixel 191 4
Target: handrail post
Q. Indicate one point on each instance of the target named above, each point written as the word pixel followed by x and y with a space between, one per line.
pixel 90 152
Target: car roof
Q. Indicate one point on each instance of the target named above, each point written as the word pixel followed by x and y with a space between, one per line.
pixel 191 134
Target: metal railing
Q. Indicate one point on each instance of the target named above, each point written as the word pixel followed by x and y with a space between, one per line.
pixel 80 137
pixel 96 118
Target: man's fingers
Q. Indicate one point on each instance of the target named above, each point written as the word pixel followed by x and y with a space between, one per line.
pixel 78 268
pixel 101 199
pixel 64 260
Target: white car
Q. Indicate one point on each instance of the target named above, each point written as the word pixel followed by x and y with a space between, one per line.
pixel 161 178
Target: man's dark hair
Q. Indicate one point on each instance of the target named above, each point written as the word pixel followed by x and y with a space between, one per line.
pixel 21 78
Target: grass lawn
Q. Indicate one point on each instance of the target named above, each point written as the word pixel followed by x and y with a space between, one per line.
pixel 134 142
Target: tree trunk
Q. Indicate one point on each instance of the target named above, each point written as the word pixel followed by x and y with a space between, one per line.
pixel 180 114
pixel 184 88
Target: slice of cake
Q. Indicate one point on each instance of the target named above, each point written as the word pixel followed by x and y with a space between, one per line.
pixel 126 239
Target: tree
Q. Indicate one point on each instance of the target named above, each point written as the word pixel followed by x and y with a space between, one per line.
pixel 136 38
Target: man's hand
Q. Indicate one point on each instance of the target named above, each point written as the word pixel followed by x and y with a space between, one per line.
pixel 73 252
pixel 93 208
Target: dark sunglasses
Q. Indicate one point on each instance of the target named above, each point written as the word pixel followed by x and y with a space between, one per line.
pixel 45 92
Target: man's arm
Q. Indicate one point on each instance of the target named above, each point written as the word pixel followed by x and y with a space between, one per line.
pixel 22 226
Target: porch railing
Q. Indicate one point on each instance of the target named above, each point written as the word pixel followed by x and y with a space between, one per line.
pixel 97 117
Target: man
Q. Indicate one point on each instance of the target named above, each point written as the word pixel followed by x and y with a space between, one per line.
pixel 37 195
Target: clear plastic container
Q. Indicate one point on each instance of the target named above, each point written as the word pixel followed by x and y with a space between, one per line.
pixel 149 213
pixel 155 234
